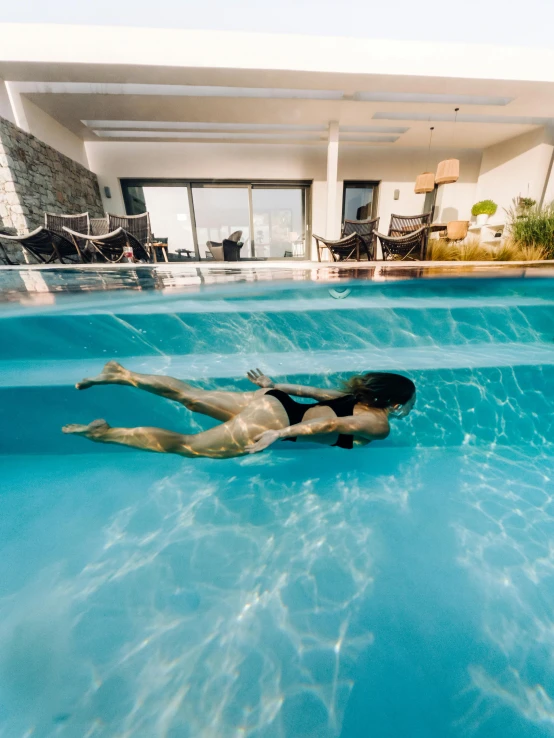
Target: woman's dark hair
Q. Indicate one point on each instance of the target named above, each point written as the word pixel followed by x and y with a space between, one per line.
pixel 380 389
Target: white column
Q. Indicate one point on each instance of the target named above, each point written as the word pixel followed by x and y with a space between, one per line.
pixel 6 110
pixel 16 103
pixel 332 172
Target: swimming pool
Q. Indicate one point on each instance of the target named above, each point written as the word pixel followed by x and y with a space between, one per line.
pixel 404 589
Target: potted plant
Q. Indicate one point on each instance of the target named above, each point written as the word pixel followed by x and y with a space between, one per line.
pixel 524 204
pixel 482 210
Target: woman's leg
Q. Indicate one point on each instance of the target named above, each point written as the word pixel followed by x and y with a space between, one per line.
pixel 214 403
pixel 224 441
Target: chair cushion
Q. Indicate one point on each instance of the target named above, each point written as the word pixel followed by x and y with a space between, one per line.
pixel 231 250
pixel 216 250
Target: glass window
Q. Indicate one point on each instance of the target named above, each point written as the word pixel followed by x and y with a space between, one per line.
pixel 279 222
pixel 219 211
pixel 359 200
pixel 170 216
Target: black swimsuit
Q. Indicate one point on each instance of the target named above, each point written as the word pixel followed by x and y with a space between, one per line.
pixel 342 406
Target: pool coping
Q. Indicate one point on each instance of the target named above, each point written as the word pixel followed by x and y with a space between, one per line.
pixel 374 271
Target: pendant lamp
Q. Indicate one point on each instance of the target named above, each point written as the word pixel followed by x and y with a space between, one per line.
pixel 448 171
pixel 425 182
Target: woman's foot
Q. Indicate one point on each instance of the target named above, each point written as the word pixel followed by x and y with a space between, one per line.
pixel 112 373
pixel 95 430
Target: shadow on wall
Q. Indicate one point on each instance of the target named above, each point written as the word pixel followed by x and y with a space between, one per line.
pixel 449 214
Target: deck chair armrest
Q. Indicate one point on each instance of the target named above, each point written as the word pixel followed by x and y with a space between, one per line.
pixel 84 236
pixel 88 237
pixel 24 236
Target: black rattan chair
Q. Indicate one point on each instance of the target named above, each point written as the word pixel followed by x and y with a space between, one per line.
pixel 365 229
pixel 137 225
pixel 349 247
pixel 410 247
pixel 47 246
pixel 228 250
pixel 400 225
pixel 112 247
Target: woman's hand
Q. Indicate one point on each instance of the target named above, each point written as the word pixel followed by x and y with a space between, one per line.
pixel 258 377
pixel 262 441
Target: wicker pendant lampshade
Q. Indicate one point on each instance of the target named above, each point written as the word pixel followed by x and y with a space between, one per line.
pixel 448 171
pixel 425 182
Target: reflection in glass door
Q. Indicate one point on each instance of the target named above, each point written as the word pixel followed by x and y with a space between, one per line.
pixel 220 211
pixel 359 200
pixel 170 216
pixel 279 222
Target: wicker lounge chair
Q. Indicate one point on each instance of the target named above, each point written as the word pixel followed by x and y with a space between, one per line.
pixel 365 229
pixel 47 246
pixel 400 225
pixel 349 247
pixel 56 222
pixel 409 247
pixel 98 227
pixel 137 225
pixel 111 247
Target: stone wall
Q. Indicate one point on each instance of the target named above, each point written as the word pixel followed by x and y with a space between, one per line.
pixel 35 178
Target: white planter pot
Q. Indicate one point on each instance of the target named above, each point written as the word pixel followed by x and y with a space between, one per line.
pixel 482 219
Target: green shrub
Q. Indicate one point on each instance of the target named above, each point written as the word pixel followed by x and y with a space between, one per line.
pixel 534 228
pixel 484 207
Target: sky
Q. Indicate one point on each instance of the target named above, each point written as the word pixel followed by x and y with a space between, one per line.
pixel 496 22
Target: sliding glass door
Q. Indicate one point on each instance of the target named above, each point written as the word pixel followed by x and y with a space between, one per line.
pixel 279 222
pixel 220 211
pixel 272 216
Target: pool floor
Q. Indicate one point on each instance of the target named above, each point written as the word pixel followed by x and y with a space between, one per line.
pixel 169 602
pixel 403 590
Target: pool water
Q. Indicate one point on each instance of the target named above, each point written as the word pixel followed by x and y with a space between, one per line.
pixel 403 590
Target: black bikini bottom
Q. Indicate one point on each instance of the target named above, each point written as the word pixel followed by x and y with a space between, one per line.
pixel 295 412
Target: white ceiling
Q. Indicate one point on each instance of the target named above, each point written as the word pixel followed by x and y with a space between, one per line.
pixel 283 91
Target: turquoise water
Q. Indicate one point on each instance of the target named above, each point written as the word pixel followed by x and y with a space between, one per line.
pixel 403 589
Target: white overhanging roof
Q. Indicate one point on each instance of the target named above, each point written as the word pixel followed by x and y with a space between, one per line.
pixel 143 84
pixel 67 44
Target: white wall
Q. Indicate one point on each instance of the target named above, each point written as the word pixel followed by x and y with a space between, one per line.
pixel 395 168
pixel 112 161
pixel 515 167
pixel 44 127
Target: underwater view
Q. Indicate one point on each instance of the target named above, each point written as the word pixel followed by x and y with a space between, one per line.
pixel 399 589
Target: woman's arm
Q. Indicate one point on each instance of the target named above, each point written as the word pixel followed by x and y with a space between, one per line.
pixel 365 425
pixel 298 390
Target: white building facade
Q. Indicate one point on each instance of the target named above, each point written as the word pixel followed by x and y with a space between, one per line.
pixel 280 137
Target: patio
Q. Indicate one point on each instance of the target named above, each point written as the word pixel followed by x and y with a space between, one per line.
pixel 288 149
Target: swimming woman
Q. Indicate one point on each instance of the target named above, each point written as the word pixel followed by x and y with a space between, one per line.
pixel 252 421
